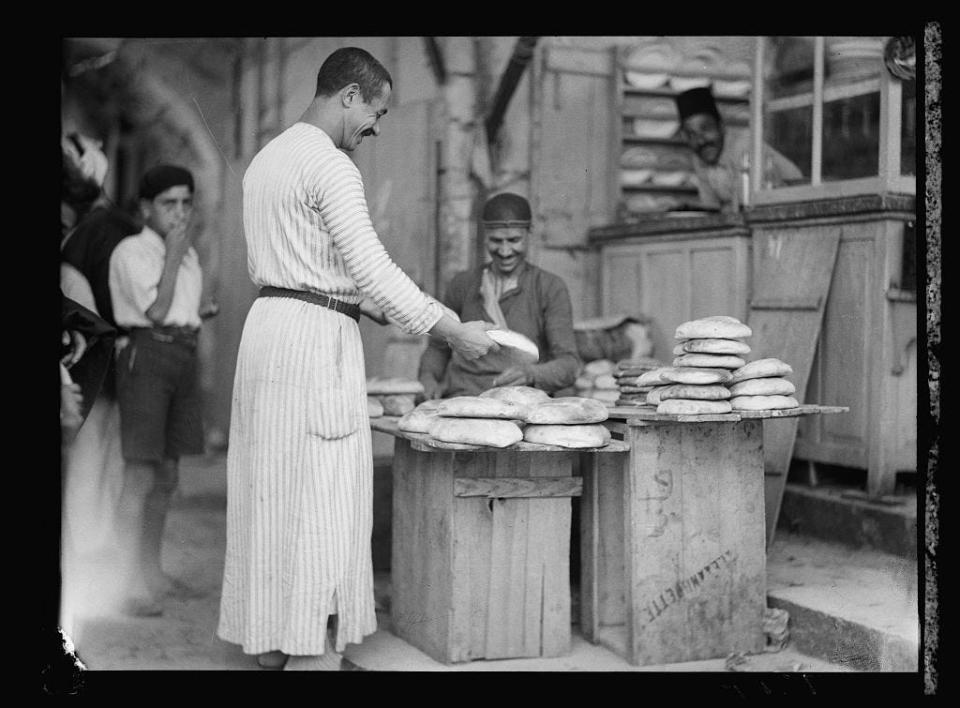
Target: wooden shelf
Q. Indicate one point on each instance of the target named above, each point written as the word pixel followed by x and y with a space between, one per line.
pixel 686 188
pixel 670 93
pixel 637 140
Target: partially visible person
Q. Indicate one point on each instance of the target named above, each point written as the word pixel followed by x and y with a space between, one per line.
pixel 155 284
pixel 513 294
pixel 719 151
pixel 298 573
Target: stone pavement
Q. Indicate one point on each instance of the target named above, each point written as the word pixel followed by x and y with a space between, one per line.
pixel 184 637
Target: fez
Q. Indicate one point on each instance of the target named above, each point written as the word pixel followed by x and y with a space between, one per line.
pixel 160 178
pixel 697 100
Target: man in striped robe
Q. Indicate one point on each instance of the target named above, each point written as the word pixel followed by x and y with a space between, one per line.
pixel 300 462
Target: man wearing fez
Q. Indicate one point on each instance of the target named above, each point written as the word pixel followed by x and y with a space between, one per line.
pixel 512 294
pixel 155 285
pixel 719 150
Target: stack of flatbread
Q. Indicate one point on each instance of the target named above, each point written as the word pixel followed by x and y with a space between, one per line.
pixel 633 392
pixel 477 420
pixel 761 386
pixel 573 422
pixel 708 350
pixel 597 381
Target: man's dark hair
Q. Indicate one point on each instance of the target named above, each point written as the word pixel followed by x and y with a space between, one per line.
pixel 352 65
pixel 161 178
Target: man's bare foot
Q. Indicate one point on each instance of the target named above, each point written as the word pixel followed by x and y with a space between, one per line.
pixel 272 660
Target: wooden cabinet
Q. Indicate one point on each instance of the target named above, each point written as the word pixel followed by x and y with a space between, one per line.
pixel 671 277
pixel 866 352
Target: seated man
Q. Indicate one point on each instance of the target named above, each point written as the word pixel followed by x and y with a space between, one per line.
pixel 718 152
pixel 512 294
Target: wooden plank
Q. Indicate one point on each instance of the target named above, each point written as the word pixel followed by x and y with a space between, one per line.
pixel 589 540
pixel 695 584
pixel 790 263
pixel 421 571
pixel 808 302
pixel 472 531
pixel 515 487
pixel 611 503
pixel 507 636
pixel 550 535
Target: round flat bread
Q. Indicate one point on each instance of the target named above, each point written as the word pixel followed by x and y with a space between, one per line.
pixel 572 436
pixel 763 387
pixel 713 346
pixel 475 431
pixel 521 348
pixel 397 404
pixel 761 368
pixel 572 410
pixel 374 407
pixel 417 421
pixel 709 361
pixel 714 392
pixel 652 378
pixel 714 327
pixel 680 406
pixel 693 375
pixel 598 367
pixel 763 403
pixel 605 382
pixel 654 395
pixel 521 395
pixel 477 407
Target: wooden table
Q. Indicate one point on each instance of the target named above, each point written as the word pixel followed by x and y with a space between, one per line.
pixel 480 564
pixel 673 557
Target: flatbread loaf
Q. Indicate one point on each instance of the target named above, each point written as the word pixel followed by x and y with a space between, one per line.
pixel 681 406
pixel 605 381
pixel 714 327
pixel 713 346
pixel 571 410
pixel 521 395
pixel 654 396
pixel 763 403
pixel 694 375
pixel 397 404
pixel 606 395
pixel 477 407
pixel 598 367
pixel 652 378
pixel 389 386
pixel 417 420
pixel 475 431
pixel 763 387
pixel 714 361
pixel 573 436
pixel 714 392
pixel 374 407
pixel 521 347
pixel 761 368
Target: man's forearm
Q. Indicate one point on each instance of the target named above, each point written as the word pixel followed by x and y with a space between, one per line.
pixel 157 312
pixel 556 374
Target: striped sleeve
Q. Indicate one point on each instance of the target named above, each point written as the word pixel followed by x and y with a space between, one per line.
pixel 343 207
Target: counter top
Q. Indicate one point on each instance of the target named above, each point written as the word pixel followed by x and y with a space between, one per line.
pixel 641 415
pixel 424 443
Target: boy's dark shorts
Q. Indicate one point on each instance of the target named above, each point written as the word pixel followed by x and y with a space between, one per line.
pixel 159 396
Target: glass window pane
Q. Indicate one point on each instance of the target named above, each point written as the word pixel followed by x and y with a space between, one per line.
pixel 788 103
pixel 908 129
pixel 851 107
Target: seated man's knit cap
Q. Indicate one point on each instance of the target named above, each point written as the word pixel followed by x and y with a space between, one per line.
pixel 161 178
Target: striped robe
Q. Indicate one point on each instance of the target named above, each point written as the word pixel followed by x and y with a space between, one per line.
pixel 300 464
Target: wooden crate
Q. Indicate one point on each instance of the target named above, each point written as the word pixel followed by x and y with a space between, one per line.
pixel 672 543
pixel 480 556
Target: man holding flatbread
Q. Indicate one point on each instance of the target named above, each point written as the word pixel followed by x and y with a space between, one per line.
pixel 514 295
pixel 300 463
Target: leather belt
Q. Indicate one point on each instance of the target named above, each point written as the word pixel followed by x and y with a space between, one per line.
pixel 330 303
